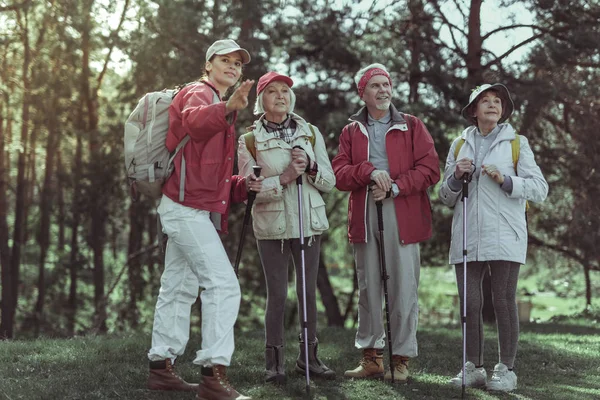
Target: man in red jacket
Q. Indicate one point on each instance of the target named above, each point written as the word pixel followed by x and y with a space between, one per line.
pixel 386 156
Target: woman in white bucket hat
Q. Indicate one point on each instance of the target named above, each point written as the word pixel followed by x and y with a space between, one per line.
pixel 503 175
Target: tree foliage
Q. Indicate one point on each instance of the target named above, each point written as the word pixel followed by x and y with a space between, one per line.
pixel 78 256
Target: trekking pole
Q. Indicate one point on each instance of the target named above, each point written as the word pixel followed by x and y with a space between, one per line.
pixel 465 194
pixel 384 279
pixel 251 196
pixel 303 267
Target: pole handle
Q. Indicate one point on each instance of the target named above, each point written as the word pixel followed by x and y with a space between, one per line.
pixel 251 193
pixel 465 185
pixel 257 169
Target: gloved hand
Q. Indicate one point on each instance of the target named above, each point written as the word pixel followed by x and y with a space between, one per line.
pixel 382 179
pixel 493 173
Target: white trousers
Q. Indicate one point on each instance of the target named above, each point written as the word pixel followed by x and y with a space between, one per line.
pixel 195 258
pixel 403 267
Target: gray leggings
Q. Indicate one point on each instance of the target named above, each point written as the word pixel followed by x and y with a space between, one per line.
pixel 275 255
pixel 504 278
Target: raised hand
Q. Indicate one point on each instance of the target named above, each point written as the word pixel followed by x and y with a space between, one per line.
pixel 239 98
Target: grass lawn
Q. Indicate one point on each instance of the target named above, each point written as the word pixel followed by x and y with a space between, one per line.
pixel 556 360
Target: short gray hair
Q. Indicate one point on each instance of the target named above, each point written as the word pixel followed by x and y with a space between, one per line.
pixel 259 108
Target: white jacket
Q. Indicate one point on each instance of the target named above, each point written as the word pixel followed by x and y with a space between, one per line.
pixel 275 211
pixel 496 224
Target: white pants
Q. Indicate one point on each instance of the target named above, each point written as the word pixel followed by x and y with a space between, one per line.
pixel 403 264
pixel 195 258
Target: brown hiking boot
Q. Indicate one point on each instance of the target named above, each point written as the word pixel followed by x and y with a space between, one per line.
pixel 400 365
pixel 275 367
pixel 316 367
pixel 215 385
pixel 370 367
pixel 163 377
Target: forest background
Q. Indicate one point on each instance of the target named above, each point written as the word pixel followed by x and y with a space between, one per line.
pixel 78 257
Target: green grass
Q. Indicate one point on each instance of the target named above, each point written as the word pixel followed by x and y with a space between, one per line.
pixel 438 298
pixel 556 360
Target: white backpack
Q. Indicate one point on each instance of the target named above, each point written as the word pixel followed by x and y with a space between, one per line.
pixel 148 162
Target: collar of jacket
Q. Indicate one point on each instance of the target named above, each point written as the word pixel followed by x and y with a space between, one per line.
pixel 507 132
pixel 362 116
pixel 260 133
pixel 207 83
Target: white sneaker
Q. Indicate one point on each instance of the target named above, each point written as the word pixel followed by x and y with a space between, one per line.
pixel 474 377
pixel 502 380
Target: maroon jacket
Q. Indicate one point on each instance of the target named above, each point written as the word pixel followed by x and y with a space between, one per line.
pixel 209 184
pixel 414 166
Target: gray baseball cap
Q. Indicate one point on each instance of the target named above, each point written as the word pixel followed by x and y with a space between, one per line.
pixel 226 46
pixel 507 104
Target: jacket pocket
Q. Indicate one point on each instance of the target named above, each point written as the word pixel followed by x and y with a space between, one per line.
pixel 504 232
pixel 318 214
pixel 269 218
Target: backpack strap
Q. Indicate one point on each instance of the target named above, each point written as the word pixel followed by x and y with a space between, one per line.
pixel 250 143
pixel 516 149
pixel 182 143
pixel 313 137
pixel 459 145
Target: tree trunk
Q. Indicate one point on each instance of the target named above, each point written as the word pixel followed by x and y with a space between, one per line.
pixel 332 308
pixel 46 200
pixel 474 43
pixel 97 236
pixel 21 189
pixel 414 40
pixel 588 285
pixel 5 276
pixel 61 201
pixel 136 229
pixel 74 257
pixel 30 175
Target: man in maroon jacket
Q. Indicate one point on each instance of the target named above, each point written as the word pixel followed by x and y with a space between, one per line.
pixel 386 156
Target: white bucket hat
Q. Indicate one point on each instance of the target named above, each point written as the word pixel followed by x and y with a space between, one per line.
pixel 507 104
pixel 226 46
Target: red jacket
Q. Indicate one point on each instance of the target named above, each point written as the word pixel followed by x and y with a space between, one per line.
pixel 209 184
pixel 414 166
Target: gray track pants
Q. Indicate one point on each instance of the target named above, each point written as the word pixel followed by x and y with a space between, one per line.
pixel 403 267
